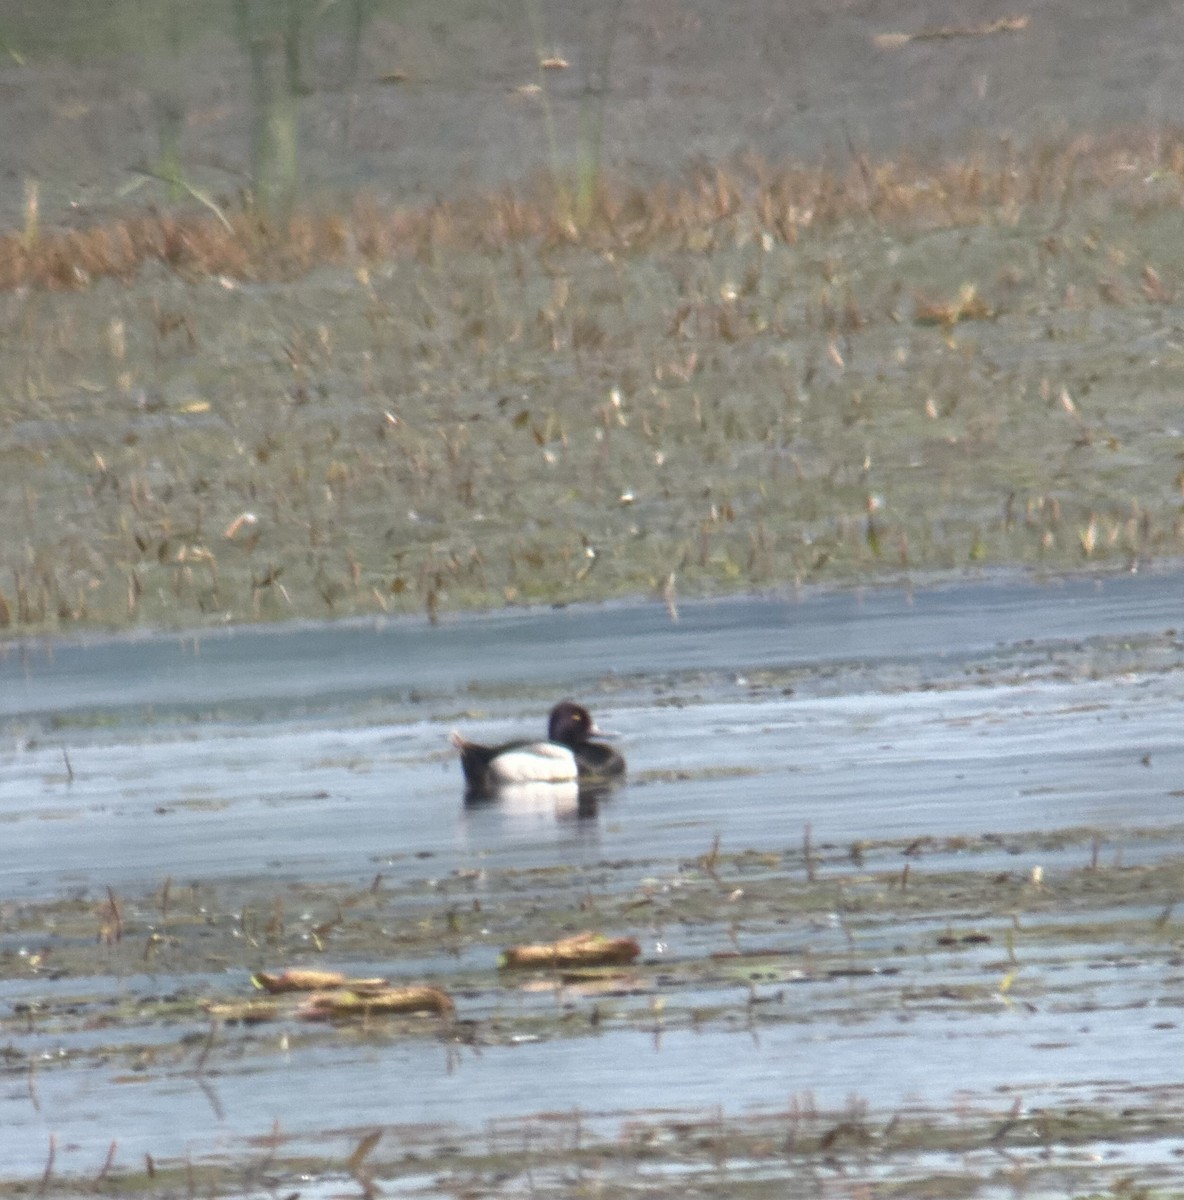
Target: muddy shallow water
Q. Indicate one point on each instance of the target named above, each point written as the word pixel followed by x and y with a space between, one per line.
pixel 947 820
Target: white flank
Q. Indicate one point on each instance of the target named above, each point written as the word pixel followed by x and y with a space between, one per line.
pixel 542 762
pixel 539 799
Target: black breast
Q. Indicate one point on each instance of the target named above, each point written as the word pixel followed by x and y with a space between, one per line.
pixel 598 761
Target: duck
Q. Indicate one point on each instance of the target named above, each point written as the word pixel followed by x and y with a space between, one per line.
pixel 568 756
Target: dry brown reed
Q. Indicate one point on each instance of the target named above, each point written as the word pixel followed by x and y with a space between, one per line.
pixel 779 201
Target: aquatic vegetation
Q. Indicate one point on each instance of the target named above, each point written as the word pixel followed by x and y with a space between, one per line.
pixel 737 943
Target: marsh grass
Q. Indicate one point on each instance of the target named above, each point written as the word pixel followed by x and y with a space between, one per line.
pixel 576 189
pixel 748 199
pixel 803 1148
pixel 753 377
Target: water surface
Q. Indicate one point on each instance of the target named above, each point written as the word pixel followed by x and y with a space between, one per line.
pixel 319 753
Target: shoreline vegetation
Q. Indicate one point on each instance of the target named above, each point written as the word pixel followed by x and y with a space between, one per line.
pixel 752 377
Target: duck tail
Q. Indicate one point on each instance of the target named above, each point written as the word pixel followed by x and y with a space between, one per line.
pixel 474 758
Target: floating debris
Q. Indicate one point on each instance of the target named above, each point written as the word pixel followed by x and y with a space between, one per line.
pixel 969 306
pixel 580 950
pixel 244 1012
pixel 893 41
pixel 307 980
pixel 328 1006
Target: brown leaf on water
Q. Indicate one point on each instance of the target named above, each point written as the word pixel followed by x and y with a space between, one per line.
pixel 1154 288
pixel 243 518
pixel 305 980
pixel 248 1012
pixel 344 1003
pixel 586 949
pixel 893 41
pixel 969 306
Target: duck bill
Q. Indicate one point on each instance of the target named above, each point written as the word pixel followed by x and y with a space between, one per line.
pixel 596 731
